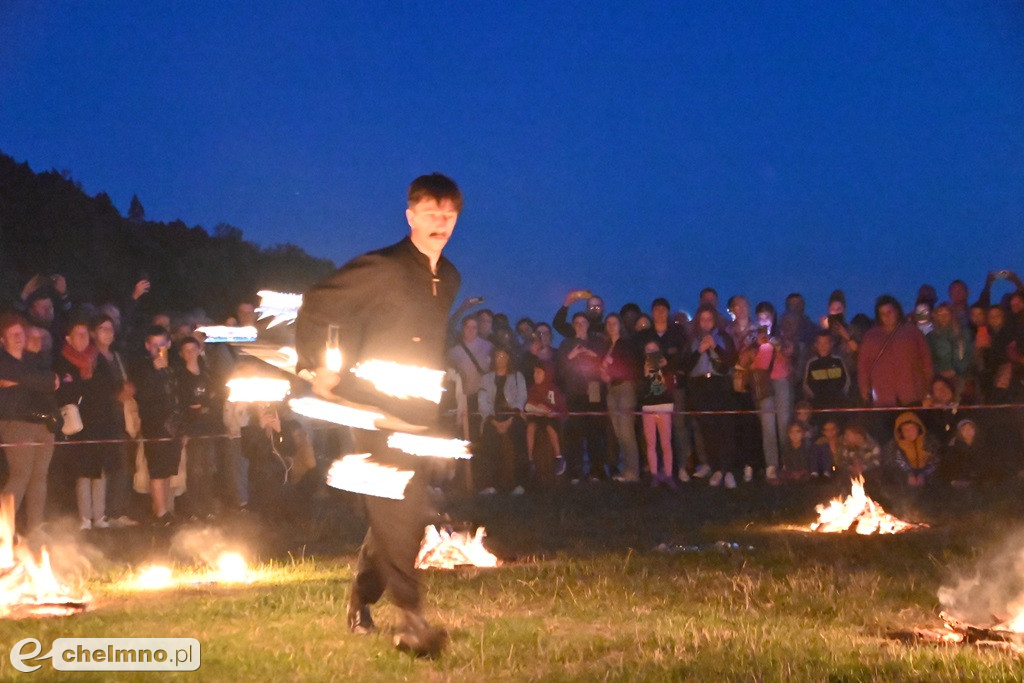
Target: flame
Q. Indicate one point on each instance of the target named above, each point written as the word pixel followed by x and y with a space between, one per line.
pixel 357 474
pixel 329 411
pixel 442 549
pixel 153 577
pixel 231 567
pixel 28 586
pixel 857 511
pixel 257 389
pixel 283 307
pixel 223 333
pixel 402 381
pixel 429 446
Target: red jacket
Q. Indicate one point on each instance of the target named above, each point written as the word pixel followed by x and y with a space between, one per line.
pixel 895 374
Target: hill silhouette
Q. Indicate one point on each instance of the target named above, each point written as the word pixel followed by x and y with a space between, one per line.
pixel 49 225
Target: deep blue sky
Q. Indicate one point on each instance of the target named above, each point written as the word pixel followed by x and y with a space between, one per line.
pixel 639 149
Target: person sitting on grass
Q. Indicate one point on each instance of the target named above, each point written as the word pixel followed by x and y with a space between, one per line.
pixel 826 450
pixel 913 451
pixel 858 454
pixel 544 406
pixel 797 454
pixel 966 461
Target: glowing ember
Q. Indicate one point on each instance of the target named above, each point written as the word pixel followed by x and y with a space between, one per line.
pixel 153 577
pixel 329 411
pixel 232 568
pixel 28 587
pixel 283 307
pixel 402 381
pixel 222 333
pixel 442 549
pixel 859 512
pixel 429 446
pixel 257 389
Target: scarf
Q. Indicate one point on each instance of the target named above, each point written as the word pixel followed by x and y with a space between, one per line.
pixel 85 361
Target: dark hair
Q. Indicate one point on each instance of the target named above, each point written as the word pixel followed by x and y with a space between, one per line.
pixel 9 319
pixel 837 295
pixel 99 319
pixel 887 300
pixel 540 325
pixel 466 319
pixel 157 331
pixel 580 315
pixel 710 309
pixel 766 307
pixel 527 321
pixel 437 187
pixel 946 381
pixel 733 299
pixel 660 301
pixel 794 295
pixel 630 308
pixel 822 333
pixel 485 310
pixel 184 341
pixel 708 290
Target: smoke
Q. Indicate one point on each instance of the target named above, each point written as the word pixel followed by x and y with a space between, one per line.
pixel 73 560
pixel 203 546
pixel 994 590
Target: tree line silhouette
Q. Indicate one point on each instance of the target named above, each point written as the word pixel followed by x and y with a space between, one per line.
pixel 49 225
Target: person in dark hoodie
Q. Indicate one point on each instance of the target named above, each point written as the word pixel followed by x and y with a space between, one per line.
pixel 913 451
pixel 967 460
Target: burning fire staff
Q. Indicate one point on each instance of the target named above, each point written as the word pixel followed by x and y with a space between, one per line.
pixel 389 305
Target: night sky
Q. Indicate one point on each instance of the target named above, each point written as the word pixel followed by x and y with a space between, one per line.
pixel 639 149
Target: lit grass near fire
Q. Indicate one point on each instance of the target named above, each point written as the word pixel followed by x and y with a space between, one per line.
pixel 792 609
pixel 581 595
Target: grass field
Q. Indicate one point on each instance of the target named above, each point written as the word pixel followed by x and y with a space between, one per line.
pixel 583 596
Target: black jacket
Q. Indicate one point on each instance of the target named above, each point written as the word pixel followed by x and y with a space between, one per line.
pixel 34 390
pixel 387 305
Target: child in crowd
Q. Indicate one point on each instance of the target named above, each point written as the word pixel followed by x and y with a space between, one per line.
pixel 965 462
pixel 545 403
pixel 912 451
pixel 858 453
pixel 826 380
pixel 802 416
pixel 656 396
pixel 826 450
pixel 796 453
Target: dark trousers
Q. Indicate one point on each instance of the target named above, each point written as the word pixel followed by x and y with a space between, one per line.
pixel 585 433
pixel 501 461
pixel 715 393
pixel 387 558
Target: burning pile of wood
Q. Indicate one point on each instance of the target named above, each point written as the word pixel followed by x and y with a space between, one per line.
pixel 956 632
pixel 858 512
pixel 28 586
pixel 445 549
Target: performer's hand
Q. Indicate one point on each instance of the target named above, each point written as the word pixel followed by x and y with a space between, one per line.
pixel 324 381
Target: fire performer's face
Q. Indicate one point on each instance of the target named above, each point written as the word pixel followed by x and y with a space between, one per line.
pixel 431 223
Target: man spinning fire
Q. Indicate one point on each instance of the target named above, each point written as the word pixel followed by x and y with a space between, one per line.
pixel 389 305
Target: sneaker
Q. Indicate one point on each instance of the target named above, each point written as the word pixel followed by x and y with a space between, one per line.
pixel 574 481
pixel 419 638
pixel 559 465
pixel 730 481
pixel 122 522
pixel 669 482
pixel 814 475
pixel 770 473
pixel 489 491
pixel 716 479
pixel 625 478
pixel 518 491
pixel 684 476
pixel 748 474
pixel 702 471
pixel 86 524
pixel 101 523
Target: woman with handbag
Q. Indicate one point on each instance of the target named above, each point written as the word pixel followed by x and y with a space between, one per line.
pixel 27 416
pixel 772 386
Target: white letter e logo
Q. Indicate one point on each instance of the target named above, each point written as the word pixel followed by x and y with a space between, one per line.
pixel 18 657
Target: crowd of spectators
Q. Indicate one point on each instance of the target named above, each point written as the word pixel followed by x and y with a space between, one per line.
pixel 746 392
pixel 102 403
